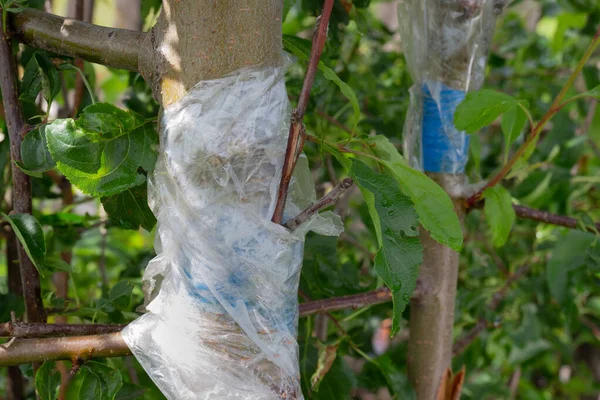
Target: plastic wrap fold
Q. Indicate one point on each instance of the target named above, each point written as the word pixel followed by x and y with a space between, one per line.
pixel 445 43
pixel 222 306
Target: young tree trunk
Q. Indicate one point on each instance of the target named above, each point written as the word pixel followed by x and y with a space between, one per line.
pixel 432 312
pixel 196 40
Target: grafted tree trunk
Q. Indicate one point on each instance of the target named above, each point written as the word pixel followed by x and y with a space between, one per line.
pixel 197 40
pixel 432 313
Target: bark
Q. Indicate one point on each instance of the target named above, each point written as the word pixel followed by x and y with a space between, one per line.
pixel 129 14
pixel 23 351
pixel 21 183
pixel 118 48
pixel 429 351
pixel 206 39
pixel 15 377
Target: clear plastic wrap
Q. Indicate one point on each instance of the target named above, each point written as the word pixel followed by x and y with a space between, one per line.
pixel 222 306
pixel 446 43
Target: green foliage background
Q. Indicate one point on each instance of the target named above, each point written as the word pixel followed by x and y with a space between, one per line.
pixel 548 326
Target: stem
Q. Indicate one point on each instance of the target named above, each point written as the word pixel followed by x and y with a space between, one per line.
pixel 554 108
pixel 118 48
pixel 553 219
pixel 14 383
pixel 21 183
pixel 326 201
pixel 296 135
pixel 15 329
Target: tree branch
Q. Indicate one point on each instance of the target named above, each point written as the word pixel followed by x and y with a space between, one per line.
pixel 548 218
pixel 102 345
pixel 297 135
pixel 15 329
pixel 118 48
pixel 325 201
pixel 21 183
pixel 23 351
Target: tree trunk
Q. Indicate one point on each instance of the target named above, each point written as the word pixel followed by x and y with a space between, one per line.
pixel 197 40
pixel 432 312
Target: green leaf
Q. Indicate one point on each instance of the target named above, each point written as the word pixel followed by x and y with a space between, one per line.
pixel 499 213
pixel 432 203
pixel 481 108
pixel 513 122
pixel 47 381
pixel 301 49
pixel 384 149
pixel 55 263
pixel 102 152
pixel 29 232
pixel 129 209
pixel 40 75
pixel 95 381
pixel 120 294
pixel 569 254
pixel 396 223
pixel 35 157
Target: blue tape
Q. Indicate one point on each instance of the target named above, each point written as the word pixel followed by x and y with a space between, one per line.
pixel 445 149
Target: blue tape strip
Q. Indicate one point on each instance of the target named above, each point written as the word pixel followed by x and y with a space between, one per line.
pixel 445 149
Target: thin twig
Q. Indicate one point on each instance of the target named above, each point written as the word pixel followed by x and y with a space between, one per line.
pixel 34 307
pixel 548 218
pixel 15 329
pixel 555 107
pixel 325 201
pixel 297 135
pixel 493 305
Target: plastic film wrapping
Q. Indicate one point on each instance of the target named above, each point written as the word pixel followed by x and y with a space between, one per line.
pixel 446 43
pixel 222 306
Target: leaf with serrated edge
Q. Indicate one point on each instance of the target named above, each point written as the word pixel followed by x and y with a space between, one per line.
pixel 400 252
pixel 35 156
pixel 47 381
pixel 103 163
pixel 129 209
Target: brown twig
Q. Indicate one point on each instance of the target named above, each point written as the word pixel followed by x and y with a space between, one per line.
pixel 555 107
pixel 325 201
pixel 493 305
pixel 548 218
pixel 296 134
pixel 21 183
pixel 15 329
pixel 14 384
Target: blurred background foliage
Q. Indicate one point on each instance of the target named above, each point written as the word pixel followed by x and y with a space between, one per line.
pixel 535 347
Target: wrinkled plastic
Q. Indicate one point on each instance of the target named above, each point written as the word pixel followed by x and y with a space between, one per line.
pixel 446 43
pixel 222 315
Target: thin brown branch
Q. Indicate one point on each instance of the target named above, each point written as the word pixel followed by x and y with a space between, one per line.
pixel 355 301
pixel 15 329
pixel 23 351
pixel 14 384
pixel 325 201
pixel 493 305
pixel 118 48
pixel 297 135
pixel 548 218
pixel 96 345
pixel 21 183
pixel 335 122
